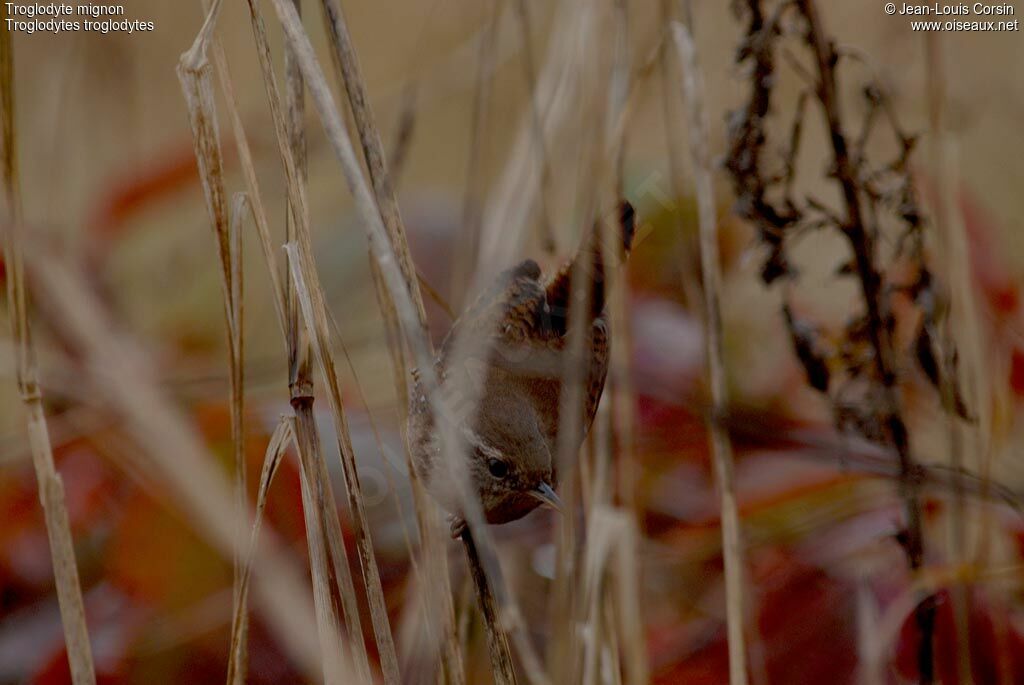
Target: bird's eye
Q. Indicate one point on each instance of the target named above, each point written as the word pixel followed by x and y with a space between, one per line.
pixel 497 467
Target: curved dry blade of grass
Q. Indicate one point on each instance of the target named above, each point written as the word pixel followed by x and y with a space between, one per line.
pixel 237 362
pixel 253 194
pixel 195 74
pixel 51 488
pixel 732 546
pixel 283 436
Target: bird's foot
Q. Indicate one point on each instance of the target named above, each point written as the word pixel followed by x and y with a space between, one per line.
pixel 457 525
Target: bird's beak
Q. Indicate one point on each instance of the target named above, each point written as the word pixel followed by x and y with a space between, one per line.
pixel 546 495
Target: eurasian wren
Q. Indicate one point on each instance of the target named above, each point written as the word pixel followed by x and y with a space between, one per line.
pixel 518 334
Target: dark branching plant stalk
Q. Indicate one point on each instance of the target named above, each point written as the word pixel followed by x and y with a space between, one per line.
pixel 859 372
pixel 497 638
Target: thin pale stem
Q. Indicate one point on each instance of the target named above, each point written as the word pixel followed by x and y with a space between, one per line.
pixel 721 447
pixel 51 487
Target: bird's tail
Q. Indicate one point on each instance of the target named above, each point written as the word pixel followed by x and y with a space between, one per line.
pixel 592 263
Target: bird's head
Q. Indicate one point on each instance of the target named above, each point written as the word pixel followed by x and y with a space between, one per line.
pixel 509 461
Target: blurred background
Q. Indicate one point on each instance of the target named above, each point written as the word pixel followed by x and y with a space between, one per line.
pixel 109 183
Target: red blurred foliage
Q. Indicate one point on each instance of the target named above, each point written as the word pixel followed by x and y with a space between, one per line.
pixel 996 644
pixel 806 631
pixel 1017 372
pixel 159 560
pixel 140 562
pixel 992 274
pixel 172 172
pixel 284 501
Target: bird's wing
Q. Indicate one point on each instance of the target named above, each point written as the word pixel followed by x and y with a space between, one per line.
pixel 592 264
pixel 507 313
pixel 597 369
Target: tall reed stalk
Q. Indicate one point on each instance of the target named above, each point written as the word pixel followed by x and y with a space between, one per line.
pixel 51 487
pixel 721 446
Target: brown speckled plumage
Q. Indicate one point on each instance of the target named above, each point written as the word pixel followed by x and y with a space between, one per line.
pixel 518 333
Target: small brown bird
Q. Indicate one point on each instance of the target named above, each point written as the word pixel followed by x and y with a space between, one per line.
pixel 518 336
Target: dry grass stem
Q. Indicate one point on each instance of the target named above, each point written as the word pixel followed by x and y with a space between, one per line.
pixel 952 256
pixel 51 488
pixel 317 509
pixel 610 591
pixel 121 378
pixel 668 68
pixel 433 573
pixel 468 237
pixel 547 234
pixel 732 546
pixel 316 326
pixel 566 653
pixel 391 272
pixel 586 481
pixel 239 207
pixel 315 512
pixel 557 89
pixel 497 638
pixel 282 437
pixel 565 608
pixel 404 135
pixel 194 72
pixel 347 64
pixel 300 381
